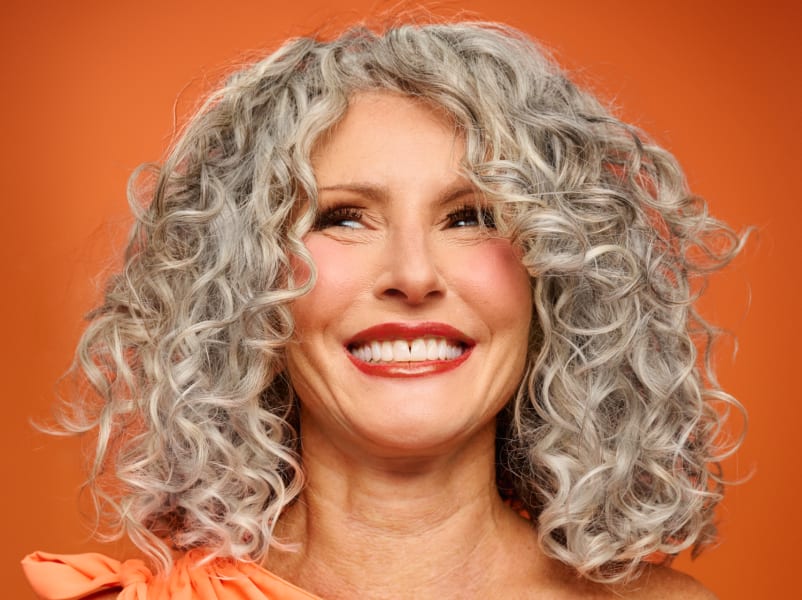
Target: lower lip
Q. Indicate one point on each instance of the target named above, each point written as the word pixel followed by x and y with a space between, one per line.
pixel 409 369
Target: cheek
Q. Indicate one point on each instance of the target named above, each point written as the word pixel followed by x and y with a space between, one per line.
pixel 337 281
pixel 493 275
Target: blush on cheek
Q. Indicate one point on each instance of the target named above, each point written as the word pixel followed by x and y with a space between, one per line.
pixel 336 263
pixel 325 258
pixel 340 277
pixel 496 265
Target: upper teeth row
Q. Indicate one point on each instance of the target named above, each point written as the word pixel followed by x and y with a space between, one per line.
pixel 407 350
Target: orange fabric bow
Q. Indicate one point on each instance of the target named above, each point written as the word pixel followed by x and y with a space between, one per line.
pixel 74 576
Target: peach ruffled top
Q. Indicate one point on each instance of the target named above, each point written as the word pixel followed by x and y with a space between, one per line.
pixel 73 576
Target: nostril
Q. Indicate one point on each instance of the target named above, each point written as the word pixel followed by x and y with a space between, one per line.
pixel 409 273
pixel 411 295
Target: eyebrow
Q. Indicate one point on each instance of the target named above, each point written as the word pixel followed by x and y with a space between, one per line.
pixel 380 193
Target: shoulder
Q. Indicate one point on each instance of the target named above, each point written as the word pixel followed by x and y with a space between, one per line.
pixel 656 582
pixel 664 583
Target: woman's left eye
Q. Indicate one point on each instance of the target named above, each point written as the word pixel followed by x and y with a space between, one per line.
pixel 471 216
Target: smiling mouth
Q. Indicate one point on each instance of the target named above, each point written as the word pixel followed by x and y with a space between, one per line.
pixel 409 349
pixel 405 351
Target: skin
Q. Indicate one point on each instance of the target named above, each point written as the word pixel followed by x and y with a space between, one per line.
pixel 401 499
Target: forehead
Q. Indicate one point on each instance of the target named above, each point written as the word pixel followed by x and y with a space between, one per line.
pixel 380 129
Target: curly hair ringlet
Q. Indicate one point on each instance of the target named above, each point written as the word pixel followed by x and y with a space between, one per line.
pixel 612 440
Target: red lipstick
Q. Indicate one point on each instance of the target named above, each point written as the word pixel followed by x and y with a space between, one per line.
pixel 410 331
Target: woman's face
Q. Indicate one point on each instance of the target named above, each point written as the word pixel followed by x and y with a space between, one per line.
pixel 415 333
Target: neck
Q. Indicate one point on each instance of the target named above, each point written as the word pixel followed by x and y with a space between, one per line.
pixel 423 528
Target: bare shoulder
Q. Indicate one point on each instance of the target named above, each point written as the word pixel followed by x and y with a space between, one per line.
pixel 655 582
pixel 664 583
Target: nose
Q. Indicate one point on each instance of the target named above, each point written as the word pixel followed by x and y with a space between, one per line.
pixel 409 270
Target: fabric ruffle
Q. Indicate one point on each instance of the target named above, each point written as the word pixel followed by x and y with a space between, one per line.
pixel 74 576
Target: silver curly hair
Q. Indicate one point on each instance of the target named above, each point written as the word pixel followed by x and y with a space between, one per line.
pixel 611 442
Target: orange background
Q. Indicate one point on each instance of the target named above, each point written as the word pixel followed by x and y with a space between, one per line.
pixel 89 91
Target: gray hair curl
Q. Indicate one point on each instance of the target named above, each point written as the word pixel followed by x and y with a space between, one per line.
pixel 610 441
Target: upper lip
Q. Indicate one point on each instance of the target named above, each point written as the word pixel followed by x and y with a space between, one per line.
pixel 410 331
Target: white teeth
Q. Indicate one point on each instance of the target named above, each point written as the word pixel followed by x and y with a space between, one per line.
pixel 401 351
pixel 376 350
pixel 416 350
pixel 431 349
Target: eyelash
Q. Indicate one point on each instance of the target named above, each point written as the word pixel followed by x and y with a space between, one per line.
pixel 336 215
pixel 483 216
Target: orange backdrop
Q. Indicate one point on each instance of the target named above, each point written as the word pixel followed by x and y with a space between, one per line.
pixel 90 89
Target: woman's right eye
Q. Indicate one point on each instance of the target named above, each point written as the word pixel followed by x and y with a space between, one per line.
pixel 339 216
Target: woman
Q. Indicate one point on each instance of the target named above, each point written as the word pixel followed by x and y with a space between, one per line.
pixel 415 314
